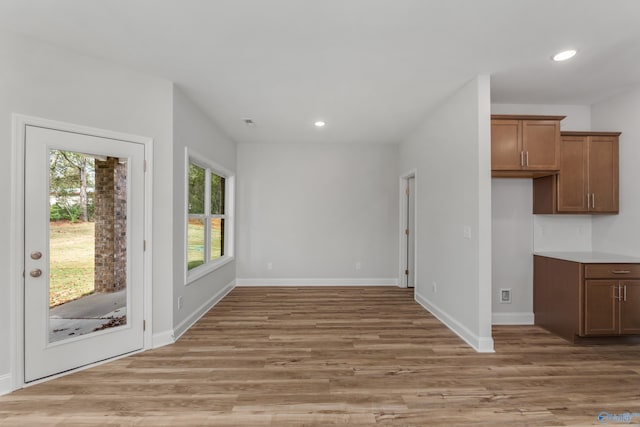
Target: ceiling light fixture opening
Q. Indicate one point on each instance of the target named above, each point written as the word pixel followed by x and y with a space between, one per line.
pixel 564 55
pixel 319 124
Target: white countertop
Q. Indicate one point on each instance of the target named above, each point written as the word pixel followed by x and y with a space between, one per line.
pixel 590 257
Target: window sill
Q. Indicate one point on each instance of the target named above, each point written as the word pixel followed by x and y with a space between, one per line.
pixel 203 270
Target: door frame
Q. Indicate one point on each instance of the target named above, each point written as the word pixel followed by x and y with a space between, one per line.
pixel 402 241
pixel 16 273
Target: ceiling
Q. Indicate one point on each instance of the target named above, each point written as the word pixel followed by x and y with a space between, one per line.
pixel 372 69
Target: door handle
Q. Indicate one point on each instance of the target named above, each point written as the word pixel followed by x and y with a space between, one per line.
pixel 36 272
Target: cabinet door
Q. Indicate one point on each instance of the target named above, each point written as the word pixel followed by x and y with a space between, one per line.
pixel 601 307
pixel 630 307
pixel 506 146
pixel 541 144
pixel 572 179
pixel 603 174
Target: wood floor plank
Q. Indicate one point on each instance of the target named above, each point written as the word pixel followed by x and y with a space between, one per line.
pixel 352 356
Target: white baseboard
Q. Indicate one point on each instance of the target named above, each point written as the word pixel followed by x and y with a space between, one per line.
pixel 512 318
pixel 162 338
pixel 187 323
pixel 318 282
pixel 479 344
pixel 6 384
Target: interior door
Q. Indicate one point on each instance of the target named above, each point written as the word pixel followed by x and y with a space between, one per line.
pixel 411 235
pixel 84 237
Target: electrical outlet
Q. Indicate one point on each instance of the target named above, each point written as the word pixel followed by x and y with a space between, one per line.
pixel 358 265
pixel 180 302
pixel 505 296
pixel 269 266
pixel 434 287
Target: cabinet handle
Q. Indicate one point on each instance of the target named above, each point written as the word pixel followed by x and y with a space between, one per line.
pixel 522 158
pixel 527 157
pixel 593 200
pixel 616 292
pixel 621 271
pixel 588 200
pixel 625 293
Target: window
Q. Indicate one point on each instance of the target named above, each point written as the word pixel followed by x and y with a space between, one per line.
pixel 209 215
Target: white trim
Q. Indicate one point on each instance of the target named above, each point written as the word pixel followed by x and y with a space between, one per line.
pixel 512 319
pixel 479 344
pixel 16 257
pixel 16 267
pixel 6 384
pixel 402 241
pixel 207 268
pixel 163 338
pixel 148 237
pixel 187 323
pixel 318 282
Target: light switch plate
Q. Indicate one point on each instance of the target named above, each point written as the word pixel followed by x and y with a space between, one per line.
pixel 467 232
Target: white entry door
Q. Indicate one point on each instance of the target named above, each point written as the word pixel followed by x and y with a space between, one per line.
pixel 84 237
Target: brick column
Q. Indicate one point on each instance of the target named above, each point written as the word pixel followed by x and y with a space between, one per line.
pixel 110 202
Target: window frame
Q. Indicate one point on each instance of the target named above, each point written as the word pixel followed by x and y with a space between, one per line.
pixel 191 157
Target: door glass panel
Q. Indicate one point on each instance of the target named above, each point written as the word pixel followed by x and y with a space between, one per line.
pixel 87 244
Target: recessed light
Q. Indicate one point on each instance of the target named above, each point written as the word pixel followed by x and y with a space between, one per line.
pixel 564 55
pixel 319 124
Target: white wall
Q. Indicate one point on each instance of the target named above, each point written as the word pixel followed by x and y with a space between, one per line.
pixel 512 217
pixel 512 246
pixel 40 80
pixel 451 153
pixel 313 211
pixel 621 233
pixel 193 129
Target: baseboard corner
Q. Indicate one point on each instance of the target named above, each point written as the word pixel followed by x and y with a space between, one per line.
pixel 478 343
pixel 191 320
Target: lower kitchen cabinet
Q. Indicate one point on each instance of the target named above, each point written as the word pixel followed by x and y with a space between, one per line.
pixel 575 299
pixel 630 308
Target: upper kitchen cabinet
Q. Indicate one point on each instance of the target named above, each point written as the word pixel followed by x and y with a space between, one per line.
pixel 588 179
pixel 525 146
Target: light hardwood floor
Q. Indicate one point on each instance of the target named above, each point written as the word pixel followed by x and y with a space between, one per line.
pixel 339 356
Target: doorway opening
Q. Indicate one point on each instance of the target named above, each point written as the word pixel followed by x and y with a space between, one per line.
pixel 408 241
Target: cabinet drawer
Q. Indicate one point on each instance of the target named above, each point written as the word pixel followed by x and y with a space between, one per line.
pixel 611 271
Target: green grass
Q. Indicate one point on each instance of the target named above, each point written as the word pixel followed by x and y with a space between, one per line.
pixel 195 242
pixel 71 261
